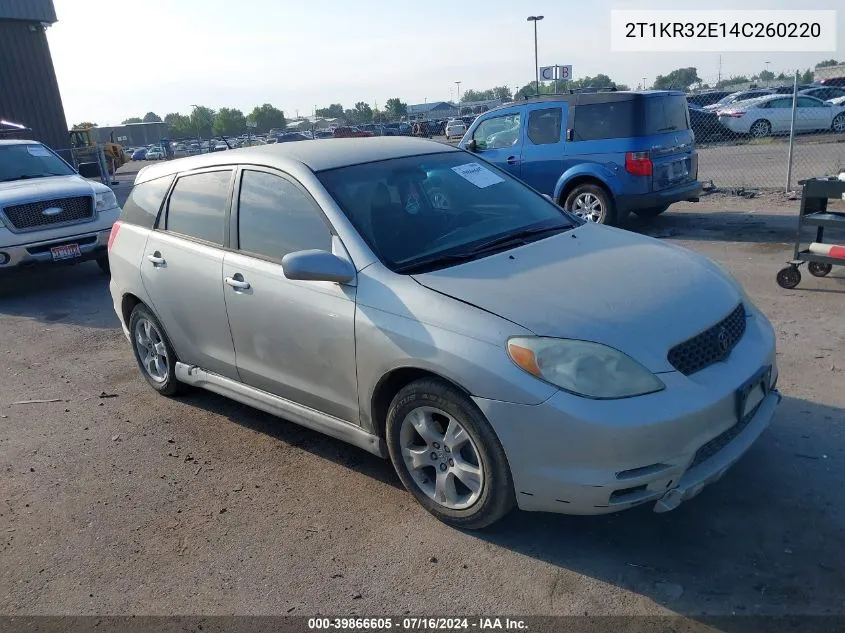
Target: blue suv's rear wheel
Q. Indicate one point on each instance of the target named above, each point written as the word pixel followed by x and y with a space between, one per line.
pixel 591 203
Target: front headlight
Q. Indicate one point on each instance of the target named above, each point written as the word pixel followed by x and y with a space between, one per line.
pixel 104 201
pixel 583 368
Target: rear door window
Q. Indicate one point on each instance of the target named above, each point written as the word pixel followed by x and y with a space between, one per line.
pixel 198 205
pixel 666 114
pixel 605 120
pixel 144 202
pixel 544 126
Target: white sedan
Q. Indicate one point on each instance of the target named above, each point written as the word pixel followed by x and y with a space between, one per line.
pixel 772 114
pixel 155 154
pixel 455 128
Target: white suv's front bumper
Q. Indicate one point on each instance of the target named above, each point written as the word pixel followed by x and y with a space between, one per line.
pixel 92 245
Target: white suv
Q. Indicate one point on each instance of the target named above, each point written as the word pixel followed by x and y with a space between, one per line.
pixel 49 213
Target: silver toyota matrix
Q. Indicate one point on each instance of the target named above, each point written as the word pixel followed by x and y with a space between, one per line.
pixel 417 302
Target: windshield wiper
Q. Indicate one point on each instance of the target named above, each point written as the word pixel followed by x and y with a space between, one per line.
pixel 29 176
pixel 437 261
pixel 517 238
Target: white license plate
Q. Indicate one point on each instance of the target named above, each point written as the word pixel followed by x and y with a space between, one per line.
pixel 755 397
pixel 678 170
pixel 65 251
pixel 750 395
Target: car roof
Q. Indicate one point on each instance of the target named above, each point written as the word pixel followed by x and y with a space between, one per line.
pixel 317 155
pixel 15 141
pixel 587 98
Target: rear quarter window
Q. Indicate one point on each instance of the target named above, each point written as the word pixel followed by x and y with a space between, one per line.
pixel 605 120
pixel 666 114
pixel 144 202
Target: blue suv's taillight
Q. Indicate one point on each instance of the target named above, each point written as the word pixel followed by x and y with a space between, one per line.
pixel 638 163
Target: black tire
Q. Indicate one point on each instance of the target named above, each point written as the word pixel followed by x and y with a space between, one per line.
pixel 170 386
pixel 608 210
pixel 497 497
pixel 761 128
pixel 652 212
pixel 103 263
pixel 789 277
pixel 819 269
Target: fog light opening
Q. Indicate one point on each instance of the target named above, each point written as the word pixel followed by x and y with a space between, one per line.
pixel 4 259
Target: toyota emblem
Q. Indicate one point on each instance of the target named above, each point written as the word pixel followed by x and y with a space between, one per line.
pixel 724 341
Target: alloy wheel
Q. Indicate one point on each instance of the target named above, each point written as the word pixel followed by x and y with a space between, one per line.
pixel 151 350
pixel 760 129
pixel 588 206
pixel 441 457
pixel 839 123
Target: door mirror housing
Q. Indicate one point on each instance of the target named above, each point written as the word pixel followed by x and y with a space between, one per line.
pixel 472 146
pixel 89 170
pixel 316 265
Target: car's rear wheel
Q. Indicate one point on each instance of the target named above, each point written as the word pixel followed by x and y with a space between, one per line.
pixel 760 129
pixel 838 124
pixel 591 203
pixel 651 212
pixel 447 455
pixel 153 352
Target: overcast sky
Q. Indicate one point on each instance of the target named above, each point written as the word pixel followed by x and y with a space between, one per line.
pixel 120 58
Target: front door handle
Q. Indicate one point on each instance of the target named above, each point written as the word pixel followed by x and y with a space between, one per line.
pixel 238 284
pixel 156 259
pixel 513 160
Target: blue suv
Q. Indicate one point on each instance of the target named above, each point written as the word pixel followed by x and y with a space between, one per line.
pixel 600 155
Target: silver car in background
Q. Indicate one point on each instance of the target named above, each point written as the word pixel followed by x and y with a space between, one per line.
pixel 409 299
pixel 772 114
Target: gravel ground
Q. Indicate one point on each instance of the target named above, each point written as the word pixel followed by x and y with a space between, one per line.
pixel 114 500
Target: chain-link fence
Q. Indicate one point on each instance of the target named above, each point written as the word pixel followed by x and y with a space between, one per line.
pixel 769 136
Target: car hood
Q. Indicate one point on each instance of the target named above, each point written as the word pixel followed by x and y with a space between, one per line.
pixel 634 293
pixel 20 191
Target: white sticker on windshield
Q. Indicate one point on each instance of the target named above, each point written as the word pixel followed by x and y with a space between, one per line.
pixel 37 150
pixel 478 175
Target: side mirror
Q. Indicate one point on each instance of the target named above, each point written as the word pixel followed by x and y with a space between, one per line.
pixel 89 170
pixel 315 265
pixel 472 146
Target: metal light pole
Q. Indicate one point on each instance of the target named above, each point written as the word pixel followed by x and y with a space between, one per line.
pixel 535 19
pixel 768 81
pixel 644 86
pixel 458 84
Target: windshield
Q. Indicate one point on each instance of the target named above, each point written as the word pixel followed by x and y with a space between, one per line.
pixel 30 160
pixel 428 208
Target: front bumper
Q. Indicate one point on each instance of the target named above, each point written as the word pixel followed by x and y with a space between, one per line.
pixel 686 192
pixel 92 245
pixel 573 455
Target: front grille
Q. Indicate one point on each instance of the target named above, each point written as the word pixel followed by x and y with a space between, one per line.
pixel 710 346
pixel 32 216
pixel 721 441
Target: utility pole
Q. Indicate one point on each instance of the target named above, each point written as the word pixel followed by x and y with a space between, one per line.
pixel 458 84
pixel 535 19
pixel 719 80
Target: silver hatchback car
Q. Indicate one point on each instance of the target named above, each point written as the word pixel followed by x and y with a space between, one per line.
pixel 412 300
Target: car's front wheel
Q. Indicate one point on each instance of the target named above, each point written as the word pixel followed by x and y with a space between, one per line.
pixel 838 124
pixel 153 352
pixel 447 455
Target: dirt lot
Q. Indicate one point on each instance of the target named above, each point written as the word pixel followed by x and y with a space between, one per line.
pixel 114 500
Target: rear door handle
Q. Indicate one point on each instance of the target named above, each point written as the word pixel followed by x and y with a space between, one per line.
pixel 513 160
pixel 156 259
pixel 237 283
